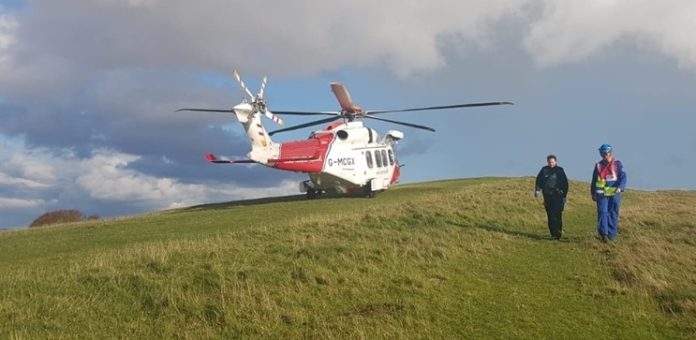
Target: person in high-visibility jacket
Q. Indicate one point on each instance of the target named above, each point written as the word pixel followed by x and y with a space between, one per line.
pixel 608 183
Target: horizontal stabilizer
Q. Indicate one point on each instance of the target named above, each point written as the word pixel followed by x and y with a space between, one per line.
pixel 213 159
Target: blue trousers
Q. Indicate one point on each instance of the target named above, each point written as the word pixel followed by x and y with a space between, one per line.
pixel 608 215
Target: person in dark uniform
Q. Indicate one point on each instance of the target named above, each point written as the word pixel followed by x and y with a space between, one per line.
pixel 553 183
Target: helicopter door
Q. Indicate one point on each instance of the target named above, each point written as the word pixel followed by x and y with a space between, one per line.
pixel 378 158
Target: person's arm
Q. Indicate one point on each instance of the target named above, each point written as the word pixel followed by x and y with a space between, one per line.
pixel 564 182
pixel 539 178
pixel 593 184
pixel 622 176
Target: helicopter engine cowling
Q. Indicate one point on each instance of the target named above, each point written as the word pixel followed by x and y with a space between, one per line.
pixel 393 136
pixel 357 134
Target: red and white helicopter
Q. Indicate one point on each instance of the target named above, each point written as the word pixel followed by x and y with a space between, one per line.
pixel 345 156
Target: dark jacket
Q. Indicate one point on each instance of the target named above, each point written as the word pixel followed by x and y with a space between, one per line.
pixel 552 181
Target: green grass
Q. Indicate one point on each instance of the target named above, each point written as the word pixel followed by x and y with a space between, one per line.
pixel 447 259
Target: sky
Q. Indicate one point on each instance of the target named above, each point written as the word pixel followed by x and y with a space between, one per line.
pixel 89 90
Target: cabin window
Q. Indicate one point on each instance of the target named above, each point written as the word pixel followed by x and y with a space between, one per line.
pixel 391 157
pixel 384 157
pixel 368 158
pixel 378 158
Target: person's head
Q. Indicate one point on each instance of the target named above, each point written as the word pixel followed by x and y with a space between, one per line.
pixel 551 161
pixel 605 151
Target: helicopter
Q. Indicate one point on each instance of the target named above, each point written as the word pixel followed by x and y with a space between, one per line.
pixel 344 157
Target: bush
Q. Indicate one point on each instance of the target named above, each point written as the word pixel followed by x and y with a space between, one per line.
pixel 61 216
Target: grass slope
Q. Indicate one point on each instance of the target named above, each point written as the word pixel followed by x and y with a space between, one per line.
pixel 448 259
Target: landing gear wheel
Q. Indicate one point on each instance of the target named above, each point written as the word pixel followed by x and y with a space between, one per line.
pixel 312 194
pixel 368 191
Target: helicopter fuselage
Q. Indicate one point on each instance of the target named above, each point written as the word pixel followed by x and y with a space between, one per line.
pixel 343 157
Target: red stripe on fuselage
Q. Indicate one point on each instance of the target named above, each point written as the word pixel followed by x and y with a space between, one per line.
pixel 305 155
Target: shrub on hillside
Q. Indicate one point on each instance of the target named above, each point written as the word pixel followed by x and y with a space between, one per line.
pixel 61 216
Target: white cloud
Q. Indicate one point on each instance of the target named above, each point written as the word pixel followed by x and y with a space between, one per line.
pixel 303 37
pixel 112 60
pixel 17 203
pixel 278 37
pixel 6 180
pixel 19 169
pixel 32 166
pixel 105 176
pixel 573 30
pixel 44 179
pixel 8 25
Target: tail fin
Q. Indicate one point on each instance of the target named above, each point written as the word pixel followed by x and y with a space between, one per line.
pixel 258 136
pixel 249 114
pixel 262 146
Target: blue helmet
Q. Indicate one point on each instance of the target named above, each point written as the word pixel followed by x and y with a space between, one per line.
pixel 605 148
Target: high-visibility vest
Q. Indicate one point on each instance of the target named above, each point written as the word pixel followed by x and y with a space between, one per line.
pixel 606 174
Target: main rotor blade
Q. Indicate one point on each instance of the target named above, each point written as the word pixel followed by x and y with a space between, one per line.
pixel 343 98
pixel 205 110
pixel 441 107
pixel 403 123
pixel 303 113
pixel 241 83
pixel 316 122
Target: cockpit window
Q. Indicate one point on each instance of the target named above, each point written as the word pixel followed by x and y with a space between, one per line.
pixel 391 157
pixel 384 157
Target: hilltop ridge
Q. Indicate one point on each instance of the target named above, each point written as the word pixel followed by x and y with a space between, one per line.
pixel 458 258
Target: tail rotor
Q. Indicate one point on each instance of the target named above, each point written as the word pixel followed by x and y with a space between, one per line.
pixel 251 104
pixel 263 86
pixel 258 102
pixel 243 86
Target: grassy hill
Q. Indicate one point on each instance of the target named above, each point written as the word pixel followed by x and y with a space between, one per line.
pixel 448 259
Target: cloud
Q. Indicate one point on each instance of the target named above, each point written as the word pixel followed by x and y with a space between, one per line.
pixel 178 33
pixel 8 25
pixel 570 31
pixel 105 176
pixel 16 203
pixel 75 37
pixel 6 180
pixel 42 179
pixel 91 85
pixel 35 166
